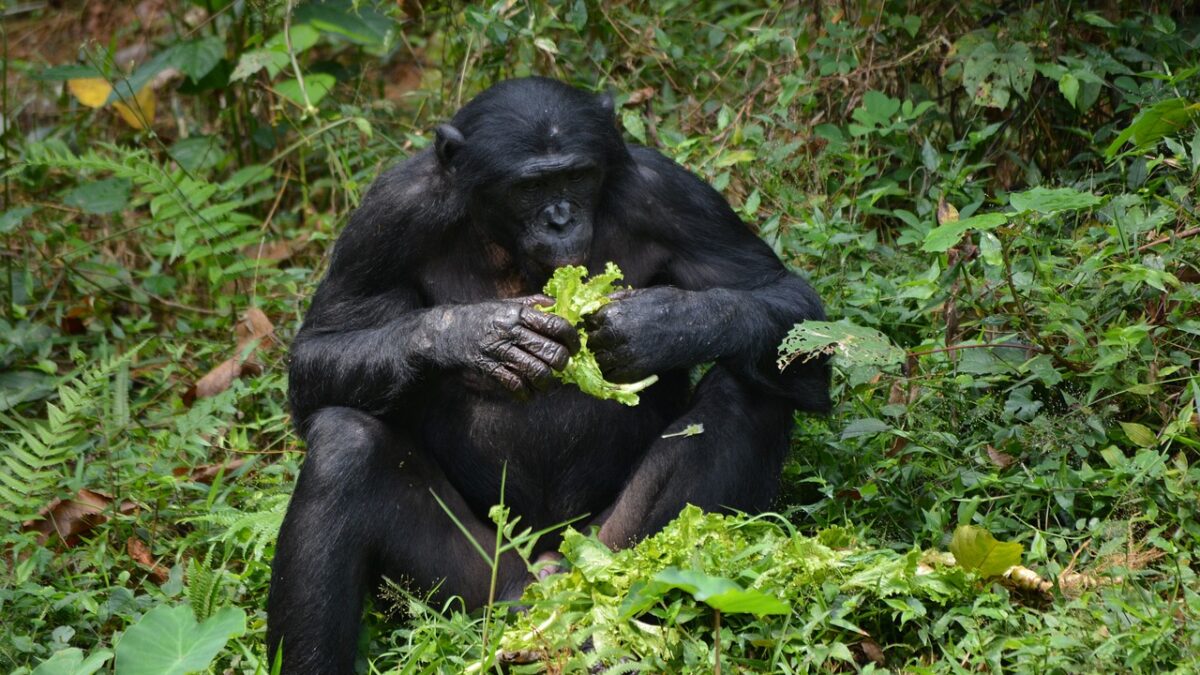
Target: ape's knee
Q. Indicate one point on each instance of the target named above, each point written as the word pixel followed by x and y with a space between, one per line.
pixel 345 447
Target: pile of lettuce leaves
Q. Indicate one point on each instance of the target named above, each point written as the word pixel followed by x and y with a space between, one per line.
pixel 574 299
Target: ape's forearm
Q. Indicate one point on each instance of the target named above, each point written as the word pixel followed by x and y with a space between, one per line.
pixel 748 326
pixel 368 369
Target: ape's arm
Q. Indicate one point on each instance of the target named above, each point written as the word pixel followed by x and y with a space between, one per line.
pixel 368 338
pixel 728 298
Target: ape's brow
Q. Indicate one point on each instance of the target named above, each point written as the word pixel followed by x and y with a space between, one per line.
pixel 547 164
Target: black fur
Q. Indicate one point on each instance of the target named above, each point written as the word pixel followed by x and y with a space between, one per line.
pixel 423 366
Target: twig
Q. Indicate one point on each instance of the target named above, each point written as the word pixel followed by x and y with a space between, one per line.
pixel 1169 238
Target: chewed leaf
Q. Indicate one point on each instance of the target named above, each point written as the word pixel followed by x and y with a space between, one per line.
pixel 574 299
pixel 850 343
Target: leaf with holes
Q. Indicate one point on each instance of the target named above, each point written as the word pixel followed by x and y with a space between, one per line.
pixel 851 344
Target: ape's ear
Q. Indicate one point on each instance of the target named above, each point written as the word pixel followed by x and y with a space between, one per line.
pixel 605 101
pixel 447 142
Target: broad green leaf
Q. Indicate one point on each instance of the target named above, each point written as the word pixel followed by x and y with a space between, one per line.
pixel 975 549
pixel 71 661
pixel 68 72
pixel 1152 124
pixel 168 641
pixel 719 593
pixel 251 62
pixel 851 344
pixel 632 121
pixel 991 76
pixel 100 197
pixel 943 237
pixel 315 84
pixel 197 57
pixel 1140 434
pixel 1043 200
pixel 357 22
pixel 11 219
pixel 1069 86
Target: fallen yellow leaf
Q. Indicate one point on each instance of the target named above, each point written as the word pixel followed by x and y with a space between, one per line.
pixel 138 113
pixel 91 91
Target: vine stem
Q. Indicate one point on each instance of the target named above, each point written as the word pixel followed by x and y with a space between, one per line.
pixel 1030 329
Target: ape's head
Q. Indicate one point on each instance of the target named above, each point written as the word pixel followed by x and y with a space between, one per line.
pixel 531 156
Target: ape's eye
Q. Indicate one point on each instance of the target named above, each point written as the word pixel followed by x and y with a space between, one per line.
pixel 531 186
pixel 576 176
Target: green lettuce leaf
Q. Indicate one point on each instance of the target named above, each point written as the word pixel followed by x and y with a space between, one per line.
pixel 574 299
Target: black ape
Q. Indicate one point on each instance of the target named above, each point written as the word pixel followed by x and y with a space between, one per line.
pixel 424 365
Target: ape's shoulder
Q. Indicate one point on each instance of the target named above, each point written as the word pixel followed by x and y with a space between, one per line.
pixel 410 207
pixel 416 190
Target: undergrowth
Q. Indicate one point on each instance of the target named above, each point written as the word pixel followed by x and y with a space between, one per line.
pixel 996 202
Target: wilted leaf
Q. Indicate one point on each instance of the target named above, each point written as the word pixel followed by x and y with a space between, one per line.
pixel 1001 460
pixel 639 97
pixel 168 641
pixel 946 213
pixel 205 473
pixel 72 518
pixel 252 330
pixel 851 344
pixel 975 549
pixel 140 553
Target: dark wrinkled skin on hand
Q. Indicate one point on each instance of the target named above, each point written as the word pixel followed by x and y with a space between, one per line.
pixel 514 342
pixel 647 331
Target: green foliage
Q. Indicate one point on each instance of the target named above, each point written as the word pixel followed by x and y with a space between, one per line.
pixel 976 550
pixel 997 206
pixel 168 641
pixel 575 298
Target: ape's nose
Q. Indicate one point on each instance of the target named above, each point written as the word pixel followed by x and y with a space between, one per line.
pixel 559 214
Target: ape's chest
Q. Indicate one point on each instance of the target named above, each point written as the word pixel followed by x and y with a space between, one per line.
pixel 563 452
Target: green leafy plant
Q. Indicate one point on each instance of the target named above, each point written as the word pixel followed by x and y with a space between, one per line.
pixel 574 299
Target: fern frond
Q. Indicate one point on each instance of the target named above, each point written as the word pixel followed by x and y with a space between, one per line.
pixel 31 466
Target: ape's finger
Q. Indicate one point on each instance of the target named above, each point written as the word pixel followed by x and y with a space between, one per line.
pixel 624 293
pixel 532 369
pixel 553 327
pixel 509 379
pixel 537 300
pixel 553 353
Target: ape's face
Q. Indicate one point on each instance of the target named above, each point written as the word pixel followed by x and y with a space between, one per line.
pixel 547 210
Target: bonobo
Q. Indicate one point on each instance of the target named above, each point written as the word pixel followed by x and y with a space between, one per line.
pixel 424 366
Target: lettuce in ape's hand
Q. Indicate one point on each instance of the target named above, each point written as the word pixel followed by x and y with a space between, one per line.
pixel 575 298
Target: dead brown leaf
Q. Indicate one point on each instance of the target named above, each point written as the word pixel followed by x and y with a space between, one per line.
pixel 253 329
pixel 205 473
pixel 140 553
pixel 640 96
pixel 72 518
pixel 946 213
pixel 1002 460
pixel 275 251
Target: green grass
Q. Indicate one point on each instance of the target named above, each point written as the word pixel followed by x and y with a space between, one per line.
pixel 1008 198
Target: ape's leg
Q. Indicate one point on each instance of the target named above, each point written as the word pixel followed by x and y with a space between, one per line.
pixel 363 507
pixel 735 463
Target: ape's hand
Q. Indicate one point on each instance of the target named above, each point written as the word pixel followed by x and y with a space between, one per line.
pixel 652 330
pixel 510 341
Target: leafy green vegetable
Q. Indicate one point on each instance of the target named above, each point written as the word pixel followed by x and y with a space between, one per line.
pixel 574 299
